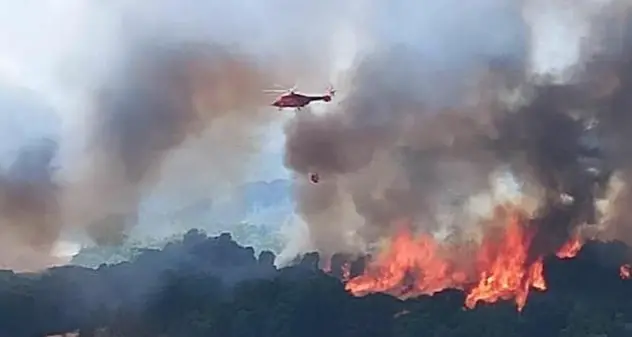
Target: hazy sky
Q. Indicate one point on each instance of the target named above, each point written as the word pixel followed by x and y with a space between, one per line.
pixel 52 52
pixel 52 46
pixel 59 49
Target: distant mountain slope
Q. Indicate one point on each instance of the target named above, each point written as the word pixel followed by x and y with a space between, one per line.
pixel 262 194
pixel 259 201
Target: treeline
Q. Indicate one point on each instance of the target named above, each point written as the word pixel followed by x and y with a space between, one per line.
pixel 213 287
pixel 262 236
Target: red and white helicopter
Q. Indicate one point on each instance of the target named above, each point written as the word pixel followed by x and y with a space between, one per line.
pixel 290 98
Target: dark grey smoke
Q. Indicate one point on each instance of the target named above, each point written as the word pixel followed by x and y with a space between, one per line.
pixel 542 142
pixel 615 114
pixel 409 143
pixel 389 151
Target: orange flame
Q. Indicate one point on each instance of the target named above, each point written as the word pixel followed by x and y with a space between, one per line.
pixel 419 265
pixel 570 249
pixel 410 267
pixel 504 271
pixel 625 271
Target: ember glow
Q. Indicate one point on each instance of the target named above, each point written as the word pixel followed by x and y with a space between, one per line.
pixel 625 271
pixel 346 271
pixel 416 265
pixel 570 249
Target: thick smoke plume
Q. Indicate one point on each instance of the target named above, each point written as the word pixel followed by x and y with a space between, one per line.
pixel 186 88
pixel 162 97
pixel 429 146
pixel 157 100
pixel 143 83
pixel 30 216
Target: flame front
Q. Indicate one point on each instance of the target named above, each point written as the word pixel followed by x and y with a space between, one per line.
pixel 570 249
pixel 409 267
pixel 414 266
pixel 504 272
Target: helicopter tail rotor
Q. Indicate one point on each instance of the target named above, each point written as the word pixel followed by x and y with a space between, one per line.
pixel 331 91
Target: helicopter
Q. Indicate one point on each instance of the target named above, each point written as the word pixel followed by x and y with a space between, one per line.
pixel 290 98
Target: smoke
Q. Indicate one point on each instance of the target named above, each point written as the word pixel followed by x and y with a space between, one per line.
pixel 163 97
pixel 428 120
pixel 30 217
pixel 613 113
pixel 140 86
pixel 405 140
pixel 427 128
pixel 181 104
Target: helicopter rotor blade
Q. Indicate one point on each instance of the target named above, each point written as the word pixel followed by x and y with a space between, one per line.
pixel 281 89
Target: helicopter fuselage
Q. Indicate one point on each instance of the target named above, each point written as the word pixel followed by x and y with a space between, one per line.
pixel 298 101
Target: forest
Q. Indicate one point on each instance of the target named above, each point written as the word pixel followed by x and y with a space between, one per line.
pixel 212 286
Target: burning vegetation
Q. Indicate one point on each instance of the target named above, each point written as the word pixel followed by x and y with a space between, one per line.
pixel 499 267
pixel 422 171
pixel 212 286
